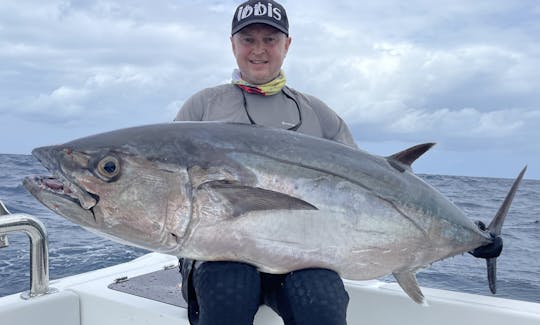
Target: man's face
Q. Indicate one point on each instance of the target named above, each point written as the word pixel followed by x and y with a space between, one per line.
pixel 259 51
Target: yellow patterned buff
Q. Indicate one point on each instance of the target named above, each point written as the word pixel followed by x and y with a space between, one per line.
pixel 270 88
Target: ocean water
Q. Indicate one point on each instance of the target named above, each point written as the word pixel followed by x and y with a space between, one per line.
pixel 74 250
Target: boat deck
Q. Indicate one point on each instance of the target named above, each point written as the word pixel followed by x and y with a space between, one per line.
pixel 162 285
pixel 147 291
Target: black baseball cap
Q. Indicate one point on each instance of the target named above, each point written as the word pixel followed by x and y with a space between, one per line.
pixel 260 12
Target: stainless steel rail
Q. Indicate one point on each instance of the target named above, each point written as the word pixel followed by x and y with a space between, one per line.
pixel 39 253
pixel 3 238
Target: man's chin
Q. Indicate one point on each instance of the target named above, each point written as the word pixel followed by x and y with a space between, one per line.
pixel 259 77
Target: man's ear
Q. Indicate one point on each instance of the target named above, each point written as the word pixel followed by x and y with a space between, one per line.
pixel 232 45
pixel 288 43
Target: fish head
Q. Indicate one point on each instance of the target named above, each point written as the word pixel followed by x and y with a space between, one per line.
pixel 116 191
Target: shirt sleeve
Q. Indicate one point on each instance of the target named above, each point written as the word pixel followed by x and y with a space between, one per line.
pixel 333 127
pixel 343 134
pixel 192 110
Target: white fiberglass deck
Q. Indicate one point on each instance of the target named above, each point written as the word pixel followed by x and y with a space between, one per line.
pixel 85 299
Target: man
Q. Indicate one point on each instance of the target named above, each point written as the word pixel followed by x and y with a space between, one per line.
pixel 231 292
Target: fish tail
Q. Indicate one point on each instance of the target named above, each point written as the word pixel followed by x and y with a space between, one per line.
pixel 492 250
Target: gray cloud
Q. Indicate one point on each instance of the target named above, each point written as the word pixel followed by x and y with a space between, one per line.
pixel 462 73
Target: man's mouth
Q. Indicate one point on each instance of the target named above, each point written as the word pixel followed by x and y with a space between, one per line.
pixel 258 61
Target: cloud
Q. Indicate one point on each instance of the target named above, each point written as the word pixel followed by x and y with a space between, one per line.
pixel 77 61
pixel 464 74
pixel 475 94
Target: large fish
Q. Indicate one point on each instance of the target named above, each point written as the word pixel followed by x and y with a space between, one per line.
pixel 277 199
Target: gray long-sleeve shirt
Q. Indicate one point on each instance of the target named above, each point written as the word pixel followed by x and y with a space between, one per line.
pixel 228 103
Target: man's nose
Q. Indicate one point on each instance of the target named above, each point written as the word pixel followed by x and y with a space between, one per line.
pixel 258 48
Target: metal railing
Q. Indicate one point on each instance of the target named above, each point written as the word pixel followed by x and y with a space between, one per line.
pixel 3 238
pixel 39 253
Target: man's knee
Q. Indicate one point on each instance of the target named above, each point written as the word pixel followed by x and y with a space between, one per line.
pixel 316 296
pixel 227 292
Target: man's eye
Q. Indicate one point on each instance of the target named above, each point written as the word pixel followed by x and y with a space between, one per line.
pixel 247 40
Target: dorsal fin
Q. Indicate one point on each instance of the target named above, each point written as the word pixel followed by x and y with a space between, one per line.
pixel 406 157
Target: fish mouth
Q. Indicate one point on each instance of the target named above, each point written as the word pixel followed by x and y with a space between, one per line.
pixel 63 197
pixel 60 184
pixel 56 186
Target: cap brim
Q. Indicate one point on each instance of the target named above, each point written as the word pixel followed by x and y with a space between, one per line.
pixel 241 26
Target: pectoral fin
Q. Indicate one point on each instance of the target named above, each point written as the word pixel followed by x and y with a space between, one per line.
pixel 407 281
pixel 244 199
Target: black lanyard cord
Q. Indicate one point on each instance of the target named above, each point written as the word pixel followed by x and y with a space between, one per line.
pixel 292 128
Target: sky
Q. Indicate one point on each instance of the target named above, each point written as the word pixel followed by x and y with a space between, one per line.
pixel 464 74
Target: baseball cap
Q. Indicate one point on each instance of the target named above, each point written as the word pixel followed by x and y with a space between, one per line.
pixel 262 12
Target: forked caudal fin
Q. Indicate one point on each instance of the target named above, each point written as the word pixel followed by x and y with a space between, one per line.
pixel 491 251
pixel 407 279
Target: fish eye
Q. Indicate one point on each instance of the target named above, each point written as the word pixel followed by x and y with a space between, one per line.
pixel 108 167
